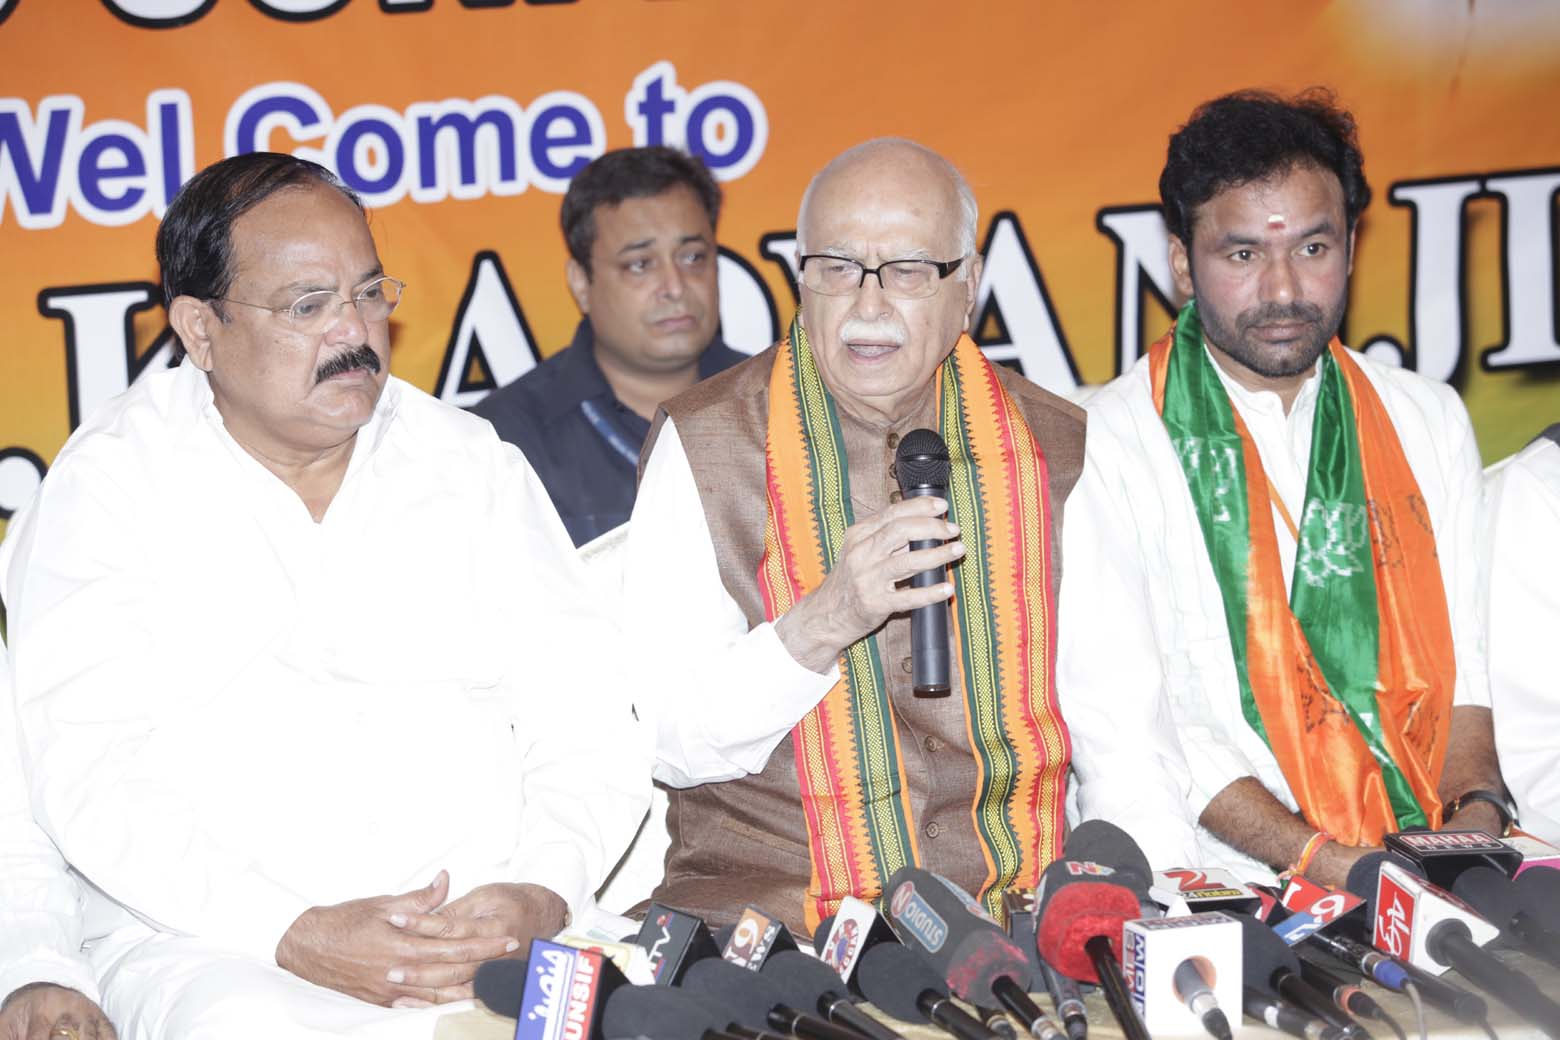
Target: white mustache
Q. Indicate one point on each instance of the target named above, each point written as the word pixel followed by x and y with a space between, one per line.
pixel 855 330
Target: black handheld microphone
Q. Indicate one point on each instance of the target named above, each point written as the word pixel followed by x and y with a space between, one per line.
pixel 1277 1015
pixel 1272 967
pixel 902 983
pixel 1346 997
pixel 923 467
pixel 1505 905
pixel 806 982
pixel 1082 911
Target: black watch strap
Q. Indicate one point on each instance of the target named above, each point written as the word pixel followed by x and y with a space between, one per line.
pixel 1503 806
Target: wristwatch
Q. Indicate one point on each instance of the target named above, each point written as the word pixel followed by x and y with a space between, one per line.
pixel 1503 806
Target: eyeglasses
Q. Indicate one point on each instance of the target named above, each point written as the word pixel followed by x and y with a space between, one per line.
pixel 317 312
pixel 902 279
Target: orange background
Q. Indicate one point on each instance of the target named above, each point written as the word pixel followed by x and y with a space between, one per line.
pixel 1053 111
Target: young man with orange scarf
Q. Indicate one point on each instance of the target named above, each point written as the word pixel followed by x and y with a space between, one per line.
pixel 762 581
pixel 1304 517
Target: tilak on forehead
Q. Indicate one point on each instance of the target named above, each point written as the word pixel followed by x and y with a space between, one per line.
pixel 1276 221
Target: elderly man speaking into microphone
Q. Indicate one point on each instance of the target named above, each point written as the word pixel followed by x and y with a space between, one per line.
pixel 766 576
pixel 309 687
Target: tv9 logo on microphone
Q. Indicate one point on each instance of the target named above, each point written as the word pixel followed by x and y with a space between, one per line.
pixel 918 918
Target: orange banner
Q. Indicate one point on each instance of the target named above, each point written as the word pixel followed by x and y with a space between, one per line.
pixel 461 122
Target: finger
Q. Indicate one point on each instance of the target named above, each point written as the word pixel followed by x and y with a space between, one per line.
pixel 440 925
pixel 896 511
pixel 420 901
pixel 410 1002
pixel 905 565
pixel 431 976
pixel 906 599
pixel 417 950
pixel 449 994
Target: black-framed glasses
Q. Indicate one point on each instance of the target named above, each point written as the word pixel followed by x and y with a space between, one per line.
pixel 904 279
pixel 317 312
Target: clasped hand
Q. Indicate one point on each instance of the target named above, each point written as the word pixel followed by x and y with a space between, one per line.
pixel 43 1010
pixel 416 949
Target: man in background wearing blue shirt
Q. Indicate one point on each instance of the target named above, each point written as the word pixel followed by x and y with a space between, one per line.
pixel 640 227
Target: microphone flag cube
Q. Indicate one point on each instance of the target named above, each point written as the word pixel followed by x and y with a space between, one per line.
pixel 1443 855
pixel 564 991
pixel 1314 907
pixel 1535 852
pixel 1195 890
pixel 857 927
pixel 755 937
pixel 1407 907
pixel 1152 950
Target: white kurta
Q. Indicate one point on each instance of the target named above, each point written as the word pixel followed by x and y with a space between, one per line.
pixel 40 901
pixel 232 713
pixel 1185 648
pixel 1522 554
pixel 732 694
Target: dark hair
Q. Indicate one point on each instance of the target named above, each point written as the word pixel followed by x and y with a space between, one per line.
pixel 195 238
pixel 1252 135
pixel 630 173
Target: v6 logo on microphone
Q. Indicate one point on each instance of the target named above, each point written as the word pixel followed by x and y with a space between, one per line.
pixel 1394 917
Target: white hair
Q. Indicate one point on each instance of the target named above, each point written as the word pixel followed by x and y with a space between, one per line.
pixel 969 210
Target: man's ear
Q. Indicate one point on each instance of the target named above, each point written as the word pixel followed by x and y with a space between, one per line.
pixel 1181 268
pixel 975 264
pixel 194 321
pixel 1353 237
pixel 579 284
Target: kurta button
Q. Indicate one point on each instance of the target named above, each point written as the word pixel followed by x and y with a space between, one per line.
pixel 896 495
pixel 904 665
pixel 932 744
pixel 893 471
pixel 893 440
pixel 933 829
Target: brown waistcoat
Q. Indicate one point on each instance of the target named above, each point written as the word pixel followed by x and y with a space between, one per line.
pixel 745 841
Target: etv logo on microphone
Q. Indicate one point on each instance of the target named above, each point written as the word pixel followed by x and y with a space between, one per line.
pixel 1394 914
pixel 918 918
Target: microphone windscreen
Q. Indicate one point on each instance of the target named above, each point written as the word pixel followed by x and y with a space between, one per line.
pixel 744 995
pixel 499 985
pixel 1365 871
pixel 657 1013
pixel 1100 841
pixel 1491 893
pixel 801 979
pixel 1263 953
pixel 1075 911
pixel 821 936
pixel 893 976
pixel 1539 888
pixel 922 461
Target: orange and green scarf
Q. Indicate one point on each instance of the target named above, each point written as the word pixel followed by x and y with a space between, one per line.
pixel 1349 678
pixel 853 789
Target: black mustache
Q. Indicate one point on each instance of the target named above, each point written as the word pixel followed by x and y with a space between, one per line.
pixel 361 356
pixel 1282 314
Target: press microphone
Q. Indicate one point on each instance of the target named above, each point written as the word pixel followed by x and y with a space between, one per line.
pixel 853 930
pixel 557 991
pixel 1346 997
pixel 1497 898
pixel 498 985
pixel 923 468
pixel 1022 912
pixel 1081 917
pixel 674 940
pixel 1540 888
pixel 806 982
pixel 1433 929
pixel 660 1013
pixel 754 937
pixel 1272 967
pixel 1277 1015
pixel 1442 856
pixel 755 1002
pixel 976 958
pixel 1067 998
pixel 903 984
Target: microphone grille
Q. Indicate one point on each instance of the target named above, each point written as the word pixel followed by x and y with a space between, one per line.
pixel 922 460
